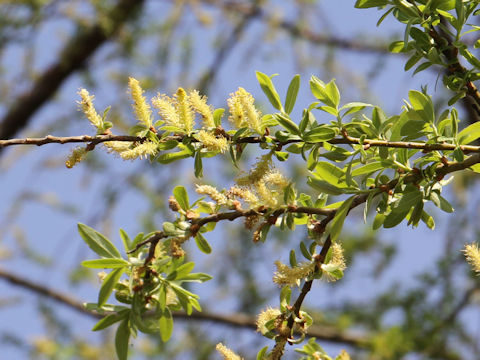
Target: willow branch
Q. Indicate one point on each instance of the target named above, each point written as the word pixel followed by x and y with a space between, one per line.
pixel 344 140
pixel 238 320
pixel 73 56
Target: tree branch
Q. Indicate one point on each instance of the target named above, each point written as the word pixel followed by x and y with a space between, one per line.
pixel 239 320
pixel 72 57
pixel 345 140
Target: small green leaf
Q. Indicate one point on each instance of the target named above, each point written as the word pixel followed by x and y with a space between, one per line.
pixel 269 90
pixel 97 242
pixel 217 116
pixel 305 251
pixel 285 296
pixel 319 134
pixel 122 337
pixel 202 244
pixel 394 218
pixel 364 4
pixel 108 285
pixel 110 320
pixel 292 93
pixel 105 263
pixel 287 123
pixel 339 219
pixel 324 187
pixel 181 196
pixel 165 323
pixel 423 105
pixel 469 134
pixel 262 353
pixel 378 221
pixel 198 166
pixel 127 243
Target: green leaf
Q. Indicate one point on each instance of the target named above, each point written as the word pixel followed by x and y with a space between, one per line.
pixel 368 168
pixel 181 196
pixel 217 116
pixel 428 220
pixel 181 271
pixel 339 219
pixel 127 243
pixel 469 134
pixel 423 105
pixel 285 296
pixel 262 353
pixel 441 202
pixel 287 123
pixel 412 61
pixel 324 187
pixel 198 166
pixel 122 337
pixel 105 263
pixel 292 93
pixel 110 320
pixel 332 270
pixel 202 244
pixel 97 242
pixel 364 4
pixel 305 251
pixel 319 134
pixel 165 323
pixel 269 90
pixel 329 97
pixel 108 285
pixel 354 107
pixel 171 157
pixel 394 218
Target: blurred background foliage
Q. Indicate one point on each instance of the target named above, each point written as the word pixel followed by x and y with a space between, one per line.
pixel 407 294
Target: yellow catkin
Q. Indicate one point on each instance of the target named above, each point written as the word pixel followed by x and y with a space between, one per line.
pixel 212 142
pixel 244 194
pixel 199 104
pixel 274 177
pixel 167 110
pixel 285 275
pixel 75 157
pixel 251 112
pixel 213 193
pixel 117 146
pixel 237 117
pixel 261 168
pixel 243 111
pixel 226 353
pixel 139 151
pixel 86 105
pixel 184 110
pixel 265 316
pixel 266 195
pixel 338 260
pixel 140 106
pixel 472 254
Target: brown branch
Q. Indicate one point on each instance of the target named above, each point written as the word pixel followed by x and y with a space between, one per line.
pixel 344 140
pixel 73 56
pixel 239 320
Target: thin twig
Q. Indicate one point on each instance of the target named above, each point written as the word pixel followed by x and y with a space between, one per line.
pixel 344 140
